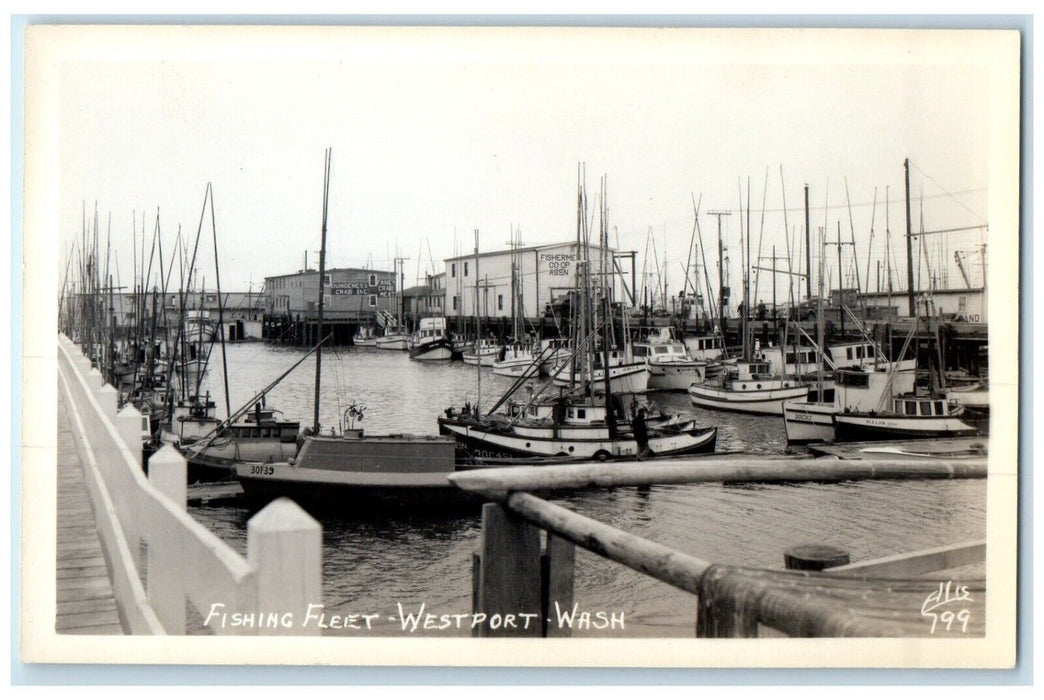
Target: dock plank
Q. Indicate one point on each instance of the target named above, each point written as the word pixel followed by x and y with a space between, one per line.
pixel 83 590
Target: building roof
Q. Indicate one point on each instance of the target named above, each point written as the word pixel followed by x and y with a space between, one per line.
pixel 312 271
pixel 525 249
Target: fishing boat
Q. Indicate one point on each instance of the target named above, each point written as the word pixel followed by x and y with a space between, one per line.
pixel 517 360
pixel 671 368
pixel 554 351
pixel 394 340
pixel 353 472
pixel 430 341
pixel 855 390
pixel 751 388
pixel 911 412
pixel 199 326
pixel 626 375
pixel 365 337
pixel 569 427
pixel 911 415
pixel 482 352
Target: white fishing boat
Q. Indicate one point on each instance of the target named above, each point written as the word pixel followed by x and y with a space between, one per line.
pixel 860 390
pixel 910 415
pixel 626 375
pixel 365 337
pixel 430 342
pixel 483 353
pixel 791 360
pixel 517 360
pixel 554 351
pixel 671 368
pixel 750 389
pixel 199 327
pixel 393 341
pixel 569 429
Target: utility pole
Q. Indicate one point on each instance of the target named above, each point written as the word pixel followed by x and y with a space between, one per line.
pixel 722 295
pixel 840 276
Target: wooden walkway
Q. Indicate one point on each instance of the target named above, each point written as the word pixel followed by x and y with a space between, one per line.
pixel 86 604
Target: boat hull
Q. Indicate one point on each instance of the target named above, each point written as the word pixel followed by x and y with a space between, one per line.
pixel 675 376
pixel 807 422
pixel 393 342
pixel 854 427
pixel 476 442
pixel 521 367
pixel 761 401
pixel 436 351
pixel 623 379
pixel 346 475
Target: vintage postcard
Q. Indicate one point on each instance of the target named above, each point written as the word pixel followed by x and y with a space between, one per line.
pixel 504 346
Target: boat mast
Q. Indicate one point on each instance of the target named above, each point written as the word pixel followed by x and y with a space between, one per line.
pixel 221 305
pixel 603 244
pixel 909 244
pixel 322 272
pixel 478 345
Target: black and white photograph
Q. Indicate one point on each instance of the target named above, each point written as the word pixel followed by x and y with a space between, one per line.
pixel 552 346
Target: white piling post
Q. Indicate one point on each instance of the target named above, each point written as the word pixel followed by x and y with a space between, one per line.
pixel 108 397
pixel 94 379
pixel 284 545
pixel 166 586
pixel 128 425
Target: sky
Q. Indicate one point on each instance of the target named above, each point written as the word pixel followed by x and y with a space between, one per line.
pixel 438 132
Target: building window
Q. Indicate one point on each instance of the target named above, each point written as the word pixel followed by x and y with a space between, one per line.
pixel 373 300
pixel 465 269
pixel 373 280
pixel 456 303
pixel 453 269
pixel 500 302
pixel 326 279
pixel 326 300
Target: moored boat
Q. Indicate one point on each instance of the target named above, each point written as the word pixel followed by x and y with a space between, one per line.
pixel 430 341
pixel 752 389
pixel 671 368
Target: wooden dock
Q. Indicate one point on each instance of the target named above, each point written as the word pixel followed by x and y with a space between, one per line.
pixel 85 600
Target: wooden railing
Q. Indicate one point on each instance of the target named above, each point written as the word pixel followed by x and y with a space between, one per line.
pixel 520 586
pixel 157 555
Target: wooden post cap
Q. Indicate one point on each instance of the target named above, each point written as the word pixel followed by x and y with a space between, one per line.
pixel 814 557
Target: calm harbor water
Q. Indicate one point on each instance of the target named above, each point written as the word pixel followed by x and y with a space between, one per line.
pixel 372 566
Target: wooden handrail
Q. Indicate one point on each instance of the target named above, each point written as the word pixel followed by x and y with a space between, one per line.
pixel 498 483
pixel 644 556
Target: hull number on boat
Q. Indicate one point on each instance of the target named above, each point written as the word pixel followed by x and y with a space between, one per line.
pixel 261 470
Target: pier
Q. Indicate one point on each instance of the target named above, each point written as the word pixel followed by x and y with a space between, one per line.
pixel 162 568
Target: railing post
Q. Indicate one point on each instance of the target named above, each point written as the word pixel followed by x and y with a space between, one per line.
pixel 166 569
pixel 94 378
pixel 128 425
pixel 284 546
pixel 108 399
pixel 557 570
pixel 508 579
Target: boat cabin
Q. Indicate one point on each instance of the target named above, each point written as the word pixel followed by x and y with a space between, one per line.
pixel 709 347
pixel 924 406
pixel 862 391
